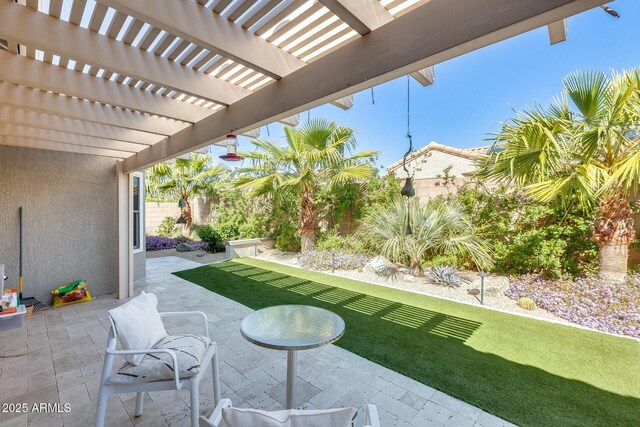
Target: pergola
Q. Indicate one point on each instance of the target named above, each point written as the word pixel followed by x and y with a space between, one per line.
pixel 147 80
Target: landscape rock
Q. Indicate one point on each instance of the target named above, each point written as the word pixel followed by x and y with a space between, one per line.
pixel 185 247
pixel 381 266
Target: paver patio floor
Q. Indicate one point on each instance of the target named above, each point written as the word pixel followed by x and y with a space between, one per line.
pixel 57 357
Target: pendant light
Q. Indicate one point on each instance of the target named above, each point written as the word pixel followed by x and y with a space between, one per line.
pixel 407 189
pixel 232 149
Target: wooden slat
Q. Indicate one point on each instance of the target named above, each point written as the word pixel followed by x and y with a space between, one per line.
pixel 64 124
pixel 99 13
pixel 133 31
pixel 149 38
pixel 77 10
pixel 275 20
pixel 178 49
pixel 293 23
pixel 55 8
pixel 116 25
pixel 194 52
pixel 222 6
pixel 261 13
pixel 240 10
pixel 56 146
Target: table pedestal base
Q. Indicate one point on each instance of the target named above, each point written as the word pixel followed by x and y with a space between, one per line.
pixel 291 378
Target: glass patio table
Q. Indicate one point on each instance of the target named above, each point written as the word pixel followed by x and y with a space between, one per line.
pixel 292 328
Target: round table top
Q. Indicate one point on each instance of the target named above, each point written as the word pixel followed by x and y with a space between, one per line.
pixel 292 327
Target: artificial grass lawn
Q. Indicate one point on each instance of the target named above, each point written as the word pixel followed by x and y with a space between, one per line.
pixel 527 371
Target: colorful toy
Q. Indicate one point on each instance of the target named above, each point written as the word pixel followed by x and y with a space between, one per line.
pixel 71 293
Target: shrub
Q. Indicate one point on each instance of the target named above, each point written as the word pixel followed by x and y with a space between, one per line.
pixel 211 237
pixel 332 260
pixel 167 227
pixel 527 236
pixel 527 303
pixel 287 236
pixel 334 241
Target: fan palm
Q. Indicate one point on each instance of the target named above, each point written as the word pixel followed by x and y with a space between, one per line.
pixel 436 230
pixel 584 150
pixel 315 155
pixel 184 179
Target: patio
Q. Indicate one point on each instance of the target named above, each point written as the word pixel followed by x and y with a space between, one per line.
pixel 64 359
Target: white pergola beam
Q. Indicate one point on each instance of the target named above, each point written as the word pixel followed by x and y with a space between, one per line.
pixel 38 100
pixel 36 74
pixel 557 31
pixel 41 31
pixel 10 129
pixel 432 33
pixel 363 16
pixel 343 103
pixel 52 122
pixel 425 77
pixel 196 24
pixel 57 146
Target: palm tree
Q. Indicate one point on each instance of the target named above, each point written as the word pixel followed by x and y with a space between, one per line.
pixel 436 230
pixel 184 179
pixel 583 149
pixel 318 154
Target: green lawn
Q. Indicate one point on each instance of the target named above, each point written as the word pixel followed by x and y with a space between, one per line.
pixel 527 371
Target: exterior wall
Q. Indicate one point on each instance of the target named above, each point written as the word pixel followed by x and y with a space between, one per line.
pixel 70 220
pixel 155 212
pixel 433 163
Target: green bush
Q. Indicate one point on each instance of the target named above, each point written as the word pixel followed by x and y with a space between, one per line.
pixel 287 236
pixel 167 227
pixel 211 237
pixel 527 303
pixel 528 236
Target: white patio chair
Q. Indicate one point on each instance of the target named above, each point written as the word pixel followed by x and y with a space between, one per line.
pixel 224 415
pixel 155 374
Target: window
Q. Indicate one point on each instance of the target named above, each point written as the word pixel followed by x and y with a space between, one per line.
pixel 137 203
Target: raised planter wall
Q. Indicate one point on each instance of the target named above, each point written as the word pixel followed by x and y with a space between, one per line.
pixel 247 247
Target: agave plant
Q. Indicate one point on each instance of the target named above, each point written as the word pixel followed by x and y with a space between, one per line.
pixel 445 275
pixel 437 230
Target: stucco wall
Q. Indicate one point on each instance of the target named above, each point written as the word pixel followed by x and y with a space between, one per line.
pixel 70 219
pixel 434 163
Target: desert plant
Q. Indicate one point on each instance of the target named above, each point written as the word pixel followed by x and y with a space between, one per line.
pixel 445 275
pixel 167 227
pixel 587 156
pixel 316 155
pixel 527 303
pixel 436 230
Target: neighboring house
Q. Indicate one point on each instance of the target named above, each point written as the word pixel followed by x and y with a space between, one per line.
pixel 438 169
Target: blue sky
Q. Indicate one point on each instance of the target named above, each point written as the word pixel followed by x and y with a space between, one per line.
pixel 473 93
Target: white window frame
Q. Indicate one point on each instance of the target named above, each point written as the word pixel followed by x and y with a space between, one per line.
pixel 141 195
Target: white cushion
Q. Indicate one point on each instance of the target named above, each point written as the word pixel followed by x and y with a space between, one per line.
pixel 240 417
pixel 138 325
pixel 189 350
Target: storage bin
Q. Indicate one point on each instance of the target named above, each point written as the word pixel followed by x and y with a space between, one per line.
pixel 13 320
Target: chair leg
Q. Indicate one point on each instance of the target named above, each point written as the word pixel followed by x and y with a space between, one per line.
pixel 101 412
pixel 195 403
pixel 216 378
pixel 139 403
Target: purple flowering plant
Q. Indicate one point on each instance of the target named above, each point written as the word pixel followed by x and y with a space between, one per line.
pixel 590 302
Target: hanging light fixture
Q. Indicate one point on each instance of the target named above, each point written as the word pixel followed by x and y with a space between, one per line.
pixel 232 149
pixel 407 189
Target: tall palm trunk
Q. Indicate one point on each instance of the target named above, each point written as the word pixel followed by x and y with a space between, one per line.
pixel 188 218
pixel 308 221
pixel 613 232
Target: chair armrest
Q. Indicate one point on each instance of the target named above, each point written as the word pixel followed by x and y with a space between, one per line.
pixel 171 353
pixel 198 314
pixel 372 416
pixel 216 417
